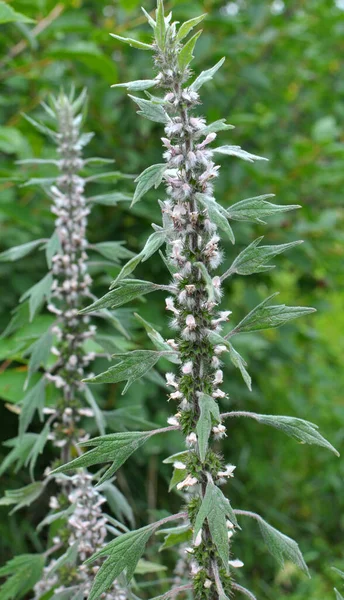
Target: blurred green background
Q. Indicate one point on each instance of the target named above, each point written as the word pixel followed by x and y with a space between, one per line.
pixel 282 86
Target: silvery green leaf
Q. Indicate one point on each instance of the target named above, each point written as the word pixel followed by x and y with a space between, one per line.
pixel 68 558
pixel 158 340
pixel 279 545
pixel 110 199
pixel 253 259
pixel 217 214
pixel 23 496
pixel 206 76
pixel 207 280
pixel 55 516
pixel 299 429
pixel 216 509
pixel 114 448
pixel 239 152
pixel 114 251
pixel 132 366
pixel 40 352
pixel 240 363
pixel 209 412
pixel 219 125
pixel 18 252
pixel 130 289
pixel 118 503
pixel 37 294
pixel 151 110
pixel 254 209
pixel 133 43
pixel 18 454
pixel 186 27
pixel 160 27
pixel 123 553
pixel 32 401
pixel 338 595
pixel 136 86
pixel 340 573
pixel 154 242
pixel 42 128
pixel 22 573
pixel 52 247
pixel 145 566
pixel 43 181
pixel 98 415
pixel 150 177
pixel 149 18
pixel 128 268
pixel 37 448
pixel 185 55
pixel 268 317
pixel 243 591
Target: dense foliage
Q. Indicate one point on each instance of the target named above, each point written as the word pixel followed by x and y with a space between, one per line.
pixel 281 88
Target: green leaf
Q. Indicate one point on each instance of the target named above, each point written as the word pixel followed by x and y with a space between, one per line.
pixel 145 566
pixel 23 496
pixel 149 18
pixel 240 363
pixel 239 152
pixel 160 28
pixel 132 366
pixel 151 110
pixel 129 290
pixel 217 214
pixel 254 209
pixel 114 251
pixel 110 199
pixel 182 456
pixel 186 27
pixel 338 595
pixel 186 54
pixel 40 352
pixel 154 242
pixel 267 317
pixel 8 15
pixel 206 76
pixel 118 503
pixel 219 125
pixel 136 86
pixel 114 447
pixel 19 452
pixel 123 553
pixel 175 536
pixel 98 415
pixel 23 572
pixel 37 448
pixel 340 573
pixel 157 339
pixel 244 591
pixel 18 252
pixel 133 43
pixel 32 401
pixel 177 477
pixel 37 294
pixel 279 545
pixel 149 177
pixel 302 431
pixel 209 411
pixel 216 509
pixel 253 259
pixel 53 246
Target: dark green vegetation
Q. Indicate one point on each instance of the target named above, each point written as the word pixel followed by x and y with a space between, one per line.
pixel 282 88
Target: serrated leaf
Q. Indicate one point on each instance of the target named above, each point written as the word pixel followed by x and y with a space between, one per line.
pixel 37 294
pixel 114 251
pixel 279 545
pixel 175 536
pixel 219 125
pixel 18 252
pixel 23 496
pixel 136 86
pixel 209 412
pixel 299 429
pixel 22 573
pixel 114 447
pixel 217 214
pixel 40 352
pixel 123 553
pixel 254 209
pixel 185 55
pixel 157 339
pixel 151 110
pixel 110 199
pixel 240 363
pixel 19 452
pixel 132 42
pixel 32 401
pixel 206 76
pixel 239 152
pixel 132 366
pixel 253 259
pixel 129 290
pixel 151 177
pixel 186 27
pixel 268 317
pixel 216 509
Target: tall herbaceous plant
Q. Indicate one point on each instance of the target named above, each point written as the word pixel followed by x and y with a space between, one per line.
pixel 58 359
pixel 192 223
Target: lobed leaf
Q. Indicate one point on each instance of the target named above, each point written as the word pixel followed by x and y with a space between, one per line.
pixel 129 290
pixel 37 294
pixel 32 401
pixel 22 573
pixel 254 209
pixel 18 252
pixel 152 176
pixel 151 110
pixel 217 214
pixel 240 363
pixel 186 27
pixel 209 411
pixel 132 42
pixel 253 259
pixel 206 76
pixel 23 496
pixel 219 125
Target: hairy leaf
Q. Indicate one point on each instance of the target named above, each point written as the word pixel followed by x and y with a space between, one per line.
pixel 52 247
pixel 114 251
pixel 266 317
pixel 206 76
pixel 157 339
pixel 186 27
pixel 151 110
pixel 18 454
pixel 175 536
pixel 186 54
pixel 98 415
pixel 160 28
pixel 129 290
pixel 152 176
pixel 239 152
pixel 219 125
pixel 110 199
pixel 338 595
pixel 209 411
pixel 253 259
pixel 133 43
pixel 32 401
pixel 9 15
pixel 37 294
pixel 37 448
pixel 254 209
pixel 240 363
pixel 22 573
pixel 217 214
pixel 39 351
pixel 23 496
pixel 136 86
pixel 18 252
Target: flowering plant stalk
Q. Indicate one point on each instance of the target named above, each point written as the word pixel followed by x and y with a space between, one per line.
pixel 192 224
pixel 59 359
